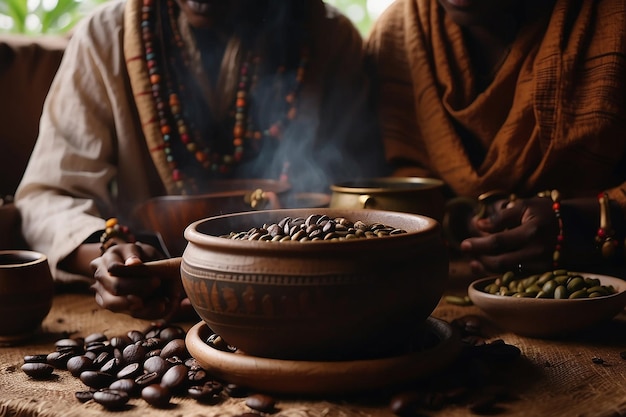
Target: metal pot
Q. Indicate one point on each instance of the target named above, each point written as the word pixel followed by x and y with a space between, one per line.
pixel 404 194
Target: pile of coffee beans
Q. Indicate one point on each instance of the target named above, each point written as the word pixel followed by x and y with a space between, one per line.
pixel 152 364
pixel 477 380
pixel 314 228
pixel 557 284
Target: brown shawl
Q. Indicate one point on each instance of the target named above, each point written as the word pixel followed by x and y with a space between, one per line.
pixel 553 117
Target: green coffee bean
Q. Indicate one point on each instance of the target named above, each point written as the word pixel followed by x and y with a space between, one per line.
pixel 457 300
pixel 545 277
pixel 577 283
pixel 560 292
pixel 578 294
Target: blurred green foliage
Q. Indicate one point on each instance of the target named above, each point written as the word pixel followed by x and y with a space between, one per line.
pixel 59 16
pixel 42 16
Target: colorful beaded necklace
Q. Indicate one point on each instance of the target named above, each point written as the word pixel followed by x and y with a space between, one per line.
pixel 174 122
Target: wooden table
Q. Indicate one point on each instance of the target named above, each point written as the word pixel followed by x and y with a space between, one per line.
pixel 550 378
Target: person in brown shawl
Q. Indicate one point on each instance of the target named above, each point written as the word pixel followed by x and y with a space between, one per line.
pixel 520 100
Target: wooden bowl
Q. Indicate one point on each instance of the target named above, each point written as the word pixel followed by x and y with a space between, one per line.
pixel 545 317
pixel 316 299
pixel 26 291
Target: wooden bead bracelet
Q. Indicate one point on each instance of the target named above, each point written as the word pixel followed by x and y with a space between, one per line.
pixel 555 196
pixel 114 232
pixel 605 237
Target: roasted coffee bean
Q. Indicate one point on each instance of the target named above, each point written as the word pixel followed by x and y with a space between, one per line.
pixel 59 359
pixel 84 396
pixel 102 358
pixel 170 333
pixel 95 337
pixel 147 379
pixel 200 394
pixel 154 352
pixel 405 403
pixel 196 376
pixel 112 366
pixel 261 402
pixel 176 348
pixel 235 391
pixel 97 347
pixel 127 384
pixel 38 358
pixel 110 398
pixel 120 342
pixel 205 392
pixel 68 344
pixel 37 370
pixel 192 363
pixel 91 355
pixel 156 395
pixel 96 379
pixel 151 343
pixel 134 353
pixel 78 364
pixel 152 331
pixel 132 370
pixel 156 364
pixel 175 377
pixel 135 336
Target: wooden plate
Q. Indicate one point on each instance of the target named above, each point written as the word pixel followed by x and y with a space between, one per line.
pixel 332 377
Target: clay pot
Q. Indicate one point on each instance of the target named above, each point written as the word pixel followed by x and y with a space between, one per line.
pixel 406 194
pixel 26 292
pixel 317 299
pixel 170 215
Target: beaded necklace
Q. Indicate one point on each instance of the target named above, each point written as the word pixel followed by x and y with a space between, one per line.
pixel 176 127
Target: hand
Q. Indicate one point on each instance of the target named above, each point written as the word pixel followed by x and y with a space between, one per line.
pixel 514 234
pixel 123 286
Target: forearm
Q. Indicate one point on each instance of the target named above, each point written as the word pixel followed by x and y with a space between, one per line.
pixel 79 261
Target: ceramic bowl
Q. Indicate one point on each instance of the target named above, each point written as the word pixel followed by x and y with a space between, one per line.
pixel 26 292
pixel 547 318
pixel 316 299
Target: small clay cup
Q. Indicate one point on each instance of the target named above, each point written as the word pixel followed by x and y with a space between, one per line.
pixel 26 292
